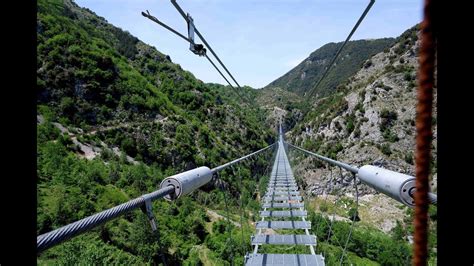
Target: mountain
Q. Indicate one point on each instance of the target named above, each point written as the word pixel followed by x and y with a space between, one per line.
pixel 302 78
pixel 370 120
pixel 115 117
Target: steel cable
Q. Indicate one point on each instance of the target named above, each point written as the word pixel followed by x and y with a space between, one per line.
pixel 59 235
pixel 353 220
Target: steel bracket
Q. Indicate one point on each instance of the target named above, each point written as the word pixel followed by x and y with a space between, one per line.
pixel 147 209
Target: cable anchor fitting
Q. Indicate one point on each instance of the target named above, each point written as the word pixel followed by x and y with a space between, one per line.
pixel 147 209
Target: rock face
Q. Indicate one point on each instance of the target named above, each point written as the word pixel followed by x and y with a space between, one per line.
pixel 370 121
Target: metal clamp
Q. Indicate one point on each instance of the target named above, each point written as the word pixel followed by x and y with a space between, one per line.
pixel 195 48
pixel 147 209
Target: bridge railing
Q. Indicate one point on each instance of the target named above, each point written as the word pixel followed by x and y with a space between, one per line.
pixel 171 188
pixel 398 186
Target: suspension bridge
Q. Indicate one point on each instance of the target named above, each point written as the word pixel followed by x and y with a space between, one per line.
pixel 283 201
pixel 283 207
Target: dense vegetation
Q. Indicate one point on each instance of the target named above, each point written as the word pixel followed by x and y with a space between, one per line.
pixel 111 91
pixel 304 77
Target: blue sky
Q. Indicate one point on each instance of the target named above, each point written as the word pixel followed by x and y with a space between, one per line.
pixel 258 40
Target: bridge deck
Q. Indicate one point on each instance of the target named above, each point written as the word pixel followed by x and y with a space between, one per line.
pixel 282 192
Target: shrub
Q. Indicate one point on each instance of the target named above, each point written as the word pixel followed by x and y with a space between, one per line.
pixel 350 123
pixel 387 119
pixel 323 207
pixel 354 214
pixel 385 149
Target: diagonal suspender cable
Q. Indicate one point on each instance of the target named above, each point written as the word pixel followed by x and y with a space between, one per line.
pixel 334 214
pixel 325 198
pixel 241 207
pixel 340 49
pixel 353 220
pixel 229 227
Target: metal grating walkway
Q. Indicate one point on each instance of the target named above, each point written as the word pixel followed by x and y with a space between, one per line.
pixel 296 205
pixel 285 259
pixel 284 225
pixel 283 194
pixel 284 239
pixel 292 213
pixel 282 198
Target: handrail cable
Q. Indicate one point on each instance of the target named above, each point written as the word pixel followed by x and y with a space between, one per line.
pixel 52 238
pixel 432 197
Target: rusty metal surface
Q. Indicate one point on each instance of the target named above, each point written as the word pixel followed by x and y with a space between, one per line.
pixel 424 135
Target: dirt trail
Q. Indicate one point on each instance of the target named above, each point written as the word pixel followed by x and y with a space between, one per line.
pixel 215 216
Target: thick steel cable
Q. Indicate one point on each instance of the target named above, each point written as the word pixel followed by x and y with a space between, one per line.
pixel 222 167
pixel 340 49
pixel 59 235
pixel 424 134
pixel 353 221
pixel 222 75
pixel 152 18
pixel 218 70
pixel 347 167
pixel 180 10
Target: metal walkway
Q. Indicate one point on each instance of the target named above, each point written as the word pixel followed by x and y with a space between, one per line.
pixel 283 201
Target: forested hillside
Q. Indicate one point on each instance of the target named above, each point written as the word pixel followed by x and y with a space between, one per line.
pixel 303 78
pixel 116 116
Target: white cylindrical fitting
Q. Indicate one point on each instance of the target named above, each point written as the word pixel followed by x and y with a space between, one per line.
pixel 186 182
pixel 393 184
